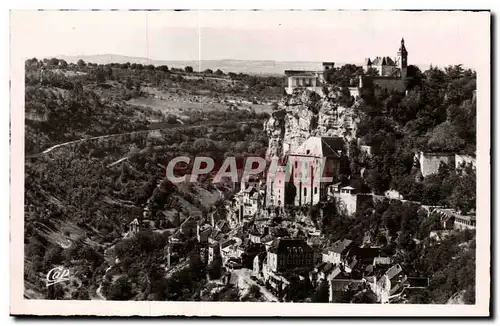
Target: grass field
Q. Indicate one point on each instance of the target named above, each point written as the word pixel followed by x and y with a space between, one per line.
pixel 172 103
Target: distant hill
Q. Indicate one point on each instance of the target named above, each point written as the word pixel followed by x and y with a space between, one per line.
pixel 258 67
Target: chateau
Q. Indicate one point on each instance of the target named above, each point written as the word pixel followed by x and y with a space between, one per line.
pixel 390 74
pixel 389 67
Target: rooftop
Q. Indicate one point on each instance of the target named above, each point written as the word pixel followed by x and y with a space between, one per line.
pixel 289 245
pixel 339 246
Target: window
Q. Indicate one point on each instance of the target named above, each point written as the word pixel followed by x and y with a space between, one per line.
pixel 296 164
pixel 308 151
pixel 305 192
pixel 315 190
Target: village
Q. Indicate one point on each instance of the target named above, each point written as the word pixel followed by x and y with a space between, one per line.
pixel 267 234
pixel 263 242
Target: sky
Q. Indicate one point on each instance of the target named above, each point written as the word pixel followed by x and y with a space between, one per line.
pixel 439 38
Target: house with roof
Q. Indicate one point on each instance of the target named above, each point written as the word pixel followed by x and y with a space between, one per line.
pixel 133 227
pixel 267 240
pixel 285 254
pixel 304 79
pixel 348 200
pixel 462 161
pixel 364 256
pixel 316 159
pixel 228 249
pixel 326 271
pixel 337 252
pixel 257 236
pixel 394 283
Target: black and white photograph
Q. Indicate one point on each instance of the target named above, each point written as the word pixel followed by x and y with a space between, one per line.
pixel 282 162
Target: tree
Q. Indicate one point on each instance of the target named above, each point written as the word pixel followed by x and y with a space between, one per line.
pixel 163 68
pixel 120 290
pixel 208 71
pixel 129 83
pixel 445 138
pixel 219 72
pixel 53 255
pixel 81 63
pixel 188 69
pixel 53 62
pixel 100 76
pixel 463 197
pixel 63 64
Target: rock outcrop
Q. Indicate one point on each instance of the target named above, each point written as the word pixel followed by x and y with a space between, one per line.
pixel 302 115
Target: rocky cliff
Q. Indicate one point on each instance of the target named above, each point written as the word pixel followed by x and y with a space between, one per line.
pixel 305 114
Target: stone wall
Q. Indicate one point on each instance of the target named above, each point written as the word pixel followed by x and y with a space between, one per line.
pixel 430 162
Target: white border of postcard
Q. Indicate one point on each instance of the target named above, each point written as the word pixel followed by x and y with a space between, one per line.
pixel 19 305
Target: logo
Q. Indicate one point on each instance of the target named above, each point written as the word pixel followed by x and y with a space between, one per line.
pixel 56 275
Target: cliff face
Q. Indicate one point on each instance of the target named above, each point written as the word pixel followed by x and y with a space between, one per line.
pixel 307 114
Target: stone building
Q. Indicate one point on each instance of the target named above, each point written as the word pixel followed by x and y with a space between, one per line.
pixel 285 254
pixel 348 200
pixel 303 79
pixel 390 67
pixel 337 252
pixel 392 73
pixel 316 158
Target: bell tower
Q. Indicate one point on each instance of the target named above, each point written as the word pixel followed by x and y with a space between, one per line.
pixel 403 59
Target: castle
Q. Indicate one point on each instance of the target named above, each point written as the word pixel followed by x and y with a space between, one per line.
pixel 389 67
pixel 392 73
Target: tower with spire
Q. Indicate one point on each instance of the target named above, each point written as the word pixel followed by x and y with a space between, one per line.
pixel 402 59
